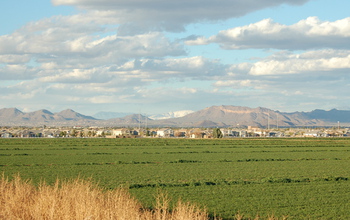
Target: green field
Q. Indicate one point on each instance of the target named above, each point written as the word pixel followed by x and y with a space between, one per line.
pixel 299 178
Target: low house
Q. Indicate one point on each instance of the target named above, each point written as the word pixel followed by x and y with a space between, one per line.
pixel 124 132
pixel 146 132
pixel 312 134
pixel 153 133
pixel 324 134
pixel 226 132
pixel 196 133
pixel 165 132
pixel 235 133
pixel 347 134
pixel 101 133
pixel 47 134
pixel 275 134
pixel 243 133
pixel 180 133
pixel 121 132
pixel 57 133
pixel 6 135
pixel 26 134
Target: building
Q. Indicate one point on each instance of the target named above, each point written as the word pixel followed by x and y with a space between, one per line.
pixel 165 132
pixel 6 135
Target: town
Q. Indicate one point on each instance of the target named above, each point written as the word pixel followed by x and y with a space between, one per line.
pixel 110 132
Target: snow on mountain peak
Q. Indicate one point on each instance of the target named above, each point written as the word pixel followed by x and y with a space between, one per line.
pixel 176 114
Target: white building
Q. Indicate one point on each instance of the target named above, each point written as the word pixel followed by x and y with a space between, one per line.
pixel 165 132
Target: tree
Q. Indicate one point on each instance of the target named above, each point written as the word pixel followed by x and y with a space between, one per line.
pixel 179 134
pixel 73 133
pixel 217 133
pixel 63 134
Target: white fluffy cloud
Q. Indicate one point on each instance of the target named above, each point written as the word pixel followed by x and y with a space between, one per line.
pixel 60 49
pixel 310 33
pixel 55 39
pixel 312 62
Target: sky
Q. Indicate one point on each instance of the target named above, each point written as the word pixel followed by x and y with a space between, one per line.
pixel 158 56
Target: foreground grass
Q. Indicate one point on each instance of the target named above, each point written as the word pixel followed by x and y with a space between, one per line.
pixel 81 199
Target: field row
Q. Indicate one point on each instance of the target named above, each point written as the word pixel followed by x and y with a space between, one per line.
pixel 176 161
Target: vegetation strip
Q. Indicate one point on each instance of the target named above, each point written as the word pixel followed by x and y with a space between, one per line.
pixel 238 182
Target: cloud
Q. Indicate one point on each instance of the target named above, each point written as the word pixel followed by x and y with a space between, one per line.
pixel 135 72
pixel 236 83
pixel 172 15
pixel 310 33
pixel 17 72
pixel 309 62
pixel 109 83
pixel 56 39
pixel 60 49
pixel 198 68
pixel 287 92
pixel 200 40
pixel 287 79
pixel 286 63
pixel 13 59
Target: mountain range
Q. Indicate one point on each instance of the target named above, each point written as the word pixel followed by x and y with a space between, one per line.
pixel 215 116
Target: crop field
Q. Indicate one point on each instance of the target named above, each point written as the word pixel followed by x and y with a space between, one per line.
pixel 299 178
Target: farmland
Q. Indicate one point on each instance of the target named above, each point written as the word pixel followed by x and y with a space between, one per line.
pixel 300 178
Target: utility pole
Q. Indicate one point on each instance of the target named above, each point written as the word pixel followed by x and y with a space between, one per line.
pixel 139 122
pixel 146 122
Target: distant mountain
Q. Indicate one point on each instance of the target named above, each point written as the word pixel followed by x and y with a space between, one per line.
pixel 130 120
pixel 14 117
pixel 10 113
pixel 39 116
pixel 69 114
pixel 110 115
pixel 176 114
pixel 243 116
pixel 333 115
pixel 208 124
pixel 214 116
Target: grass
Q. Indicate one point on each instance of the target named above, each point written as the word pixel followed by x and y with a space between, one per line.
pixel 80 199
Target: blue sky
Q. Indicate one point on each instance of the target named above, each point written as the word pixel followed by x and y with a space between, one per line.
pixel 160 56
